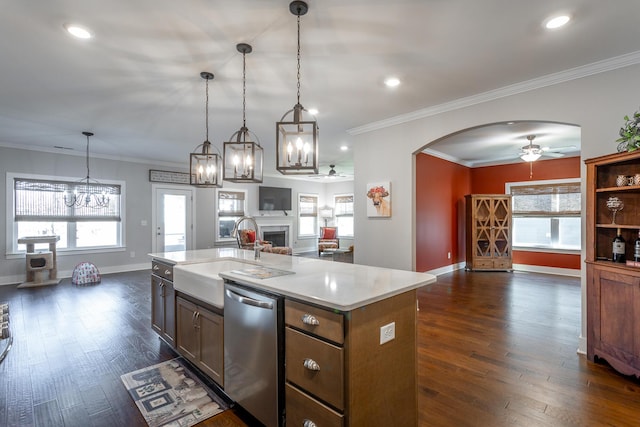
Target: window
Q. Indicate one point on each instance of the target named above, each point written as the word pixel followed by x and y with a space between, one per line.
pixel 38 208
pixel 344 214
pixel 546 214
pixel 307 215
pixel 231 207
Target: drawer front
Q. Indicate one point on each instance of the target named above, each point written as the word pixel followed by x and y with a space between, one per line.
pixel 314 320
pixel 502 263
pixel 483 263
pixel 302 407
pixel 326 382
pixel 162 269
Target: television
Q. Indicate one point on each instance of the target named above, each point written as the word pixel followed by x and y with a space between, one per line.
pixel 274 198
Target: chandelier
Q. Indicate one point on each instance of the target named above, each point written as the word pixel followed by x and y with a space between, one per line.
pixel 243 158
pixel 297 138
pixel 204 166
pixel 87 193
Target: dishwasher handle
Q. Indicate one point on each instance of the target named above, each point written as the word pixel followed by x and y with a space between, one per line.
pixel 249 301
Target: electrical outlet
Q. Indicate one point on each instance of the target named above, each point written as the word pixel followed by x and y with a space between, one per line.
pixel 448 255
pixel 133 254
pixel 387 332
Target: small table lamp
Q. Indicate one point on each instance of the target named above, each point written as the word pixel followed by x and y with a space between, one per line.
pixel 326 213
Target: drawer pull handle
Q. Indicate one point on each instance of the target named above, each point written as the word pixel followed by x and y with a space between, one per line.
pixel 309 319
pixel 308 423
pixel 167 272
pixel 156 268
pixel 311 365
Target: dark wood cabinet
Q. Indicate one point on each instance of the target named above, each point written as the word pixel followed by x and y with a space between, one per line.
pixel 199 338
pixel 488 232
pixel 163 302
pixel 613 288
pixel 337 372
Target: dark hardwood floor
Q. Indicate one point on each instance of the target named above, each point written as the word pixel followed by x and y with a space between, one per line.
pixel 494 349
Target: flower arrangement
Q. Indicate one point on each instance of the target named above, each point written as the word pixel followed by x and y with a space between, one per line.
pixel 630 133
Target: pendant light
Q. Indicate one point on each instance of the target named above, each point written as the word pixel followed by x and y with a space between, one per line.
pixel 88 193
pixel 297 138
pixel 204 166
pixel 243 158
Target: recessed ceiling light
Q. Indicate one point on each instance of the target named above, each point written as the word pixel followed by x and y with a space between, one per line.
pixel 557 21
pixel 313 111
pixel 344 148
pixel 78 31
pixel 392 81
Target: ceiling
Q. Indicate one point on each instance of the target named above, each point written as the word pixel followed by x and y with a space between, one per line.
pixel 137 83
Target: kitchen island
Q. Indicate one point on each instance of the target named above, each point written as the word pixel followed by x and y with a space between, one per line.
pixel 348 331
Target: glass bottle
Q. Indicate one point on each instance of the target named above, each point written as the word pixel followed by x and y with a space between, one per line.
pixel 618 248
pixel 636 249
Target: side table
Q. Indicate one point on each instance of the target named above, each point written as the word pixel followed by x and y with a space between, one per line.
pixel 40 262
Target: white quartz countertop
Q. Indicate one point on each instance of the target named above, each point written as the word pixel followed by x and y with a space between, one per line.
pixel 334 285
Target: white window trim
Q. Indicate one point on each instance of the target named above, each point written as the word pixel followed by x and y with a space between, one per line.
pixel 11 227
pixel 308 236
pixel 346 236
pixel 507 190
pixel 218 239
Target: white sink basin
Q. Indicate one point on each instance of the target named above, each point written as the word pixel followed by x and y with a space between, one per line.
pixel 202 281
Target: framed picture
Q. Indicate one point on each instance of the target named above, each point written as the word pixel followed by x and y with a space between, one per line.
pixel 379 203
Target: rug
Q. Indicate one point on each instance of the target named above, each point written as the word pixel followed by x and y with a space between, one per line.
pixel 169 394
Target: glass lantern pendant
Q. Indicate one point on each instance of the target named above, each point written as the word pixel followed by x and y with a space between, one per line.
pixel 243 158
pixel 205 166
pixel 297 135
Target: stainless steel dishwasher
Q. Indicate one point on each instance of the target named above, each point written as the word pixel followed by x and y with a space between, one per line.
pixel 253 352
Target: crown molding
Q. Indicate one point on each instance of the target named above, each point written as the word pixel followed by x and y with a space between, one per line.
pixel 603 66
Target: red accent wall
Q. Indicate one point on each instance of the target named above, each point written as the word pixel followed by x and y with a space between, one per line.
pixel 492 179
pixel 440 189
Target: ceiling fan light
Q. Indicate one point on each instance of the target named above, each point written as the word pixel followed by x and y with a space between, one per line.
pixel 530 156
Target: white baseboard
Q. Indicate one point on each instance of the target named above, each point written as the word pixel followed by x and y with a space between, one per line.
pixel 547 270
pixel 517 267
pixel 19 278
pixel 446 269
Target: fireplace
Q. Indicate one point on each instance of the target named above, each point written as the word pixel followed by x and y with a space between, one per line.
pixel 277 234
pixel 277 238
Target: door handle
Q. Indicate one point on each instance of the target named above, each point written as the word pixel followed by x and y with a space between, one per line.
pixel 249 301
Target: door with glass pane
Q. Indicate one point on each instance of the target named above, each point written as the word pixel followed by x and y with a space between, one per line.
pixel 173 225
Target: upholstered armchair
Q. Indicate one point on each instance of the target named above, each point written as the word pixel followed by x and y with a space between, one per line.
pixel 247 238
pixel 328 239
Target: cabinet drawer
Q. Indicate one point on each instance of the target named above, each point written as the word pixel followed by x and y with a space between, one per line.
pixel 301 407
pixel 162 269
pixel 314 320
pixel 327 381
pixel 482 263
pixel 502 263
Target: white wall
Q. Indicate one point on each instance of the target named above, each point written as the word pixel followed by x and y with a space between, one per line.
pixel 597 103
pixel 137 205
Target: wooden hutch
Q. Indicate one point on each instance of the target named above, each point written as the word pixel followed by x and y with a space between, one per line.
pixel 613 289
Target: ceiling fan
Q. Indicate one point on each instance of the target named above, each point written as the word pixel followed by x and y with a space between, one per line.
pixel 331 174
pixel 532 152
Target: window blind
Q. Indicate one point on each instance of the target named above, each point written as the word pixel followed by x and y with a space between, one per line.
pixel 546 199
pixel 230 203
pixel 38 200
pixel 344 205
pixel 308 206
